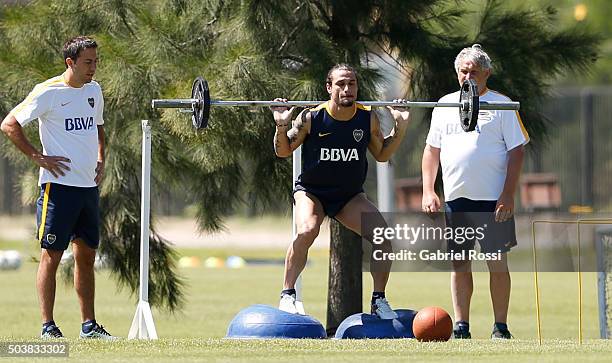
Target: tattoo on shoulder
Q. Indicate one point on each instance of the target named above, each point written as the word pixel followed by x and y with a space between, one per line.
pixel 298 124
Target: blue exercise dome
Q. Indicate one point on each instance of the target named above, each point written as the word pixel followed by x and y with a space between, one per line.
pixel 263 321
pixel 368 326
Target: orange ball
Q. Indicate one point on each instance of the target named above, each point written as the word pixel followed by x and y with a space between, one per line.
pixel 432 324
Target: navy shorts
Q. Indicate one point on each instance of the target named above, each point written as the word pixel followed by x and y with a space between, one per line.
pixel 332 201
pixel 464 214
pixel 65 213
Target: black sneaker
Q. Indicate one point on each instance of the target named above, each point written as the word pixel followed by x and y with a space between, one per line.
pixel 501 333
pixel 51 332
pixel 98 332
pixel 461 334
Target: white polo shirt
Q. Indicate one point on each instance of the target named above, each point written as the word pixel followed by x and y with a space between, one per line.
pixel 474 164
pixel 67 123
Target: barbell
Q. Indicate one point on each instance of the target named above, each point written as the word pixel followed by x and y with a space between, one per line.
pixel 200 102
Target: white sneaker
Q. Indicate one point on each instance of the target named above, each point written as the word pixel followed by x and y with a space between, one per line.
pixel 382 308
pixel 98 332
pixel 287 304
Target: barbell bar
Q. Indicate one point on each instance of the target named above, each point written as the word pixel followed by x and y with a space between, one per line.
pixel 200 102
pixel 189 102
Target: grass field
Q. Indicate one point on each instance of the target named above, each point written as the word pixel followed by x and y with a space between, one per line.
pixel 215 295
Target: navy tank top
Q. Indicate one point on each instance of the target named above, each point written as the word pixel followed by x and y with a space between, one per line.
pixel 334 158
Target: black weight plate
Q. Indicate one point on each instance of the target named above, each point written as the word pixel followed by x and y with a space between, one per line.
pixel 469 115
pixel 201 110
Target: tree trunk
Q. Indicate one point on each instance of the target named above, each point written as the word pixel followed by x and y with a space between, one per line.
pixel 345 293
pixel 7 196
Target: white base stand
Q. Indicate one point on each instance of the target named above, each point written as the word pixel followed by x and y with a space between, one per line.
pixel 142 325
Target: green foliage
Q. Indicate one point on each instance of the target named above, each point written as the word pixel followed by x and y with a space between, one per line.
pixel 525 70
pixel 586 15
pixel 254 49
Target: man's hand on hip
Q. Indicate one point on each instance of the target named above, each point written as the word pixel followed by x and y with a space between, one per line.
pixel 56 165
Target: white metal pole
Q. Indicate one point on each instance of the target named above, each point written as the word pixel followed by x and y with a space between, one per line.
pixel 297 170
pixel 385 188
pixel 143 326
pixel 145 211
pixel 385 177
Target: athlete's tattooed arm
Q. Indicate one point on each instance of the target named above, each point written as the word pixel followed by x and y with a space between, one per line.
pixel 286 141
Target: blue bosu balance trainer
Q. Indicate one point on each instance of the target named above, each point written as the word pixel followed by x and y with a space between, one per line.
pixel 263 321
pixel 368 326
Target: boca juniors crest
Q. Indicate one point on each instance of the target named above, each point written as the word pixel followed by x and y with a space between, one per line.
pixel 358 134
